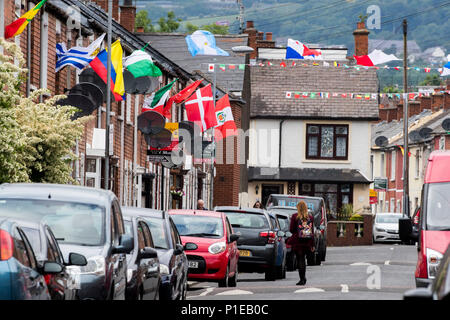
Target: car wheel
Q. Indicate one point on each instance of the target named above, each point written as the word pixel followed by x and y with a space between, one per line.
pixel 270 274
pixel 232 282
pixel 224 282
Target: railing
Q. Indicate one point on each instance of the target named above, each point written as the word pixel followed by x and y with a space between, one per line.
pixel 350 233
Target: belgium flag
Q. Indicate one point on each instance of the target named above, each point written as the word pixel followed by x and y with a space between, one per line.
pixel 19 25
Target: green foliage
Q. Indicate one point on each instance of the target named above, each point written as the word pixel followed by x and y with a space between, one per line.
pixel 432 80
pixel 213 28
pixel 356 217
pixel 142 20
pixel 169 24
pixel 391 89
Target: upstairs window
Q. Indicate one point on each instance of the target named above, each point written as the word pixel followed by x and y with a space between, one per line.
pixel 327 142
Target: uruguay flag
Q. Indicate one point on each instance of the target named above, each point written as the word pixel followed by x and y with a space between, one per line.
pixel 297 50
pixel 203 42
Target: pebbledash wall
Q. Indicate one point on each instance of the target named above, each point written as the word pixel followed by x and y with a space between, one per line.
pixel 129 162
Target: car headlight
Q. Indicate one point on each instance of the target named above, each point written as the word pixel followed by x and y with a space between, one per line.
pixel 217 247
pixel 163 269
pixel 380 229
pixel 433 259
pixel 95 265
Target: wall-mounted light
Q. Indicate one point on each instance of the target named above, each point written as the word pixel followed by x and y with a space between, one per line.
pixel 257 189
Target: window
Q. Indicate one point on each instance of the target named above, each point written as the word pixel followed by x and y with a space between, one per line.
pixel 20 251
pixel 327 142
pixel 399 206
pixel 147 235
pixel 392 207
pixel 393 164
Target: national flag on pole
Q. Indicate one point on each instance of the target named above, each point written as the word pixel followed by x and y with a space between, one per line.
pixel 99 65
pixel 180 97
pixel 403 151
pixel 140 64
pixel 200 108
pixel 157 100
pixel 225 122
pixel 374 58
pixel 203 42
pixel 427 70
pixel 297 50
pixel 446 70
pixel 20 24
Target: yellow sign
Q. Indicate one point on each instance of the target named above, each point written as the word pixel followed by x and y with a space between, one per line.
pixel 172 127
pixel 373 193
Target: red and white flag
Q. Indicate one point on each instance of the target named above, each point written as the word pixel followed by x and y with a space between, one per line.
pixel 200 108
pixel 180 97
pixel 225 122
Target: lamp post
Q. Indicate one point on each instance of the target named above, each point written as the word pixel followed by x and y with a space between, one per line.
pixel 108 96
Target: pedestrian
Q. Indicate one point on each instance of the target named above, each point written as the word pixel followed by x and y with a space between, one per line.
pixel 201 205
pixel 302 239
pixel 258 205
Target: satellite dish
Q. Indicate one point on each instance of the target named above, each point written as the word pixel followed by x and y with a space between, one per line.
pixel 446 124
pixel 414 136
pixel 381 141
pixel 151 122
pixel 129 82
pixel 425 132
pixel 160 140
pixel 85 105
pixel 89 90
pixel 89 75
pixel 146 85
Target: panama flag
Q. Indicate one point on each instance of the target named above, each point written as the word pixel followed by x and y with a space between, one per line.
pixel 374 58
pixel 225 121
pixel 20 24
pixel 446 70
pixel 297 50
pixel 200 108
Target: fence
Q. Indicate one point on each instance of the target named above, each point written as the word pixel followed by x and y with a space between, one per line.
pixel 350 233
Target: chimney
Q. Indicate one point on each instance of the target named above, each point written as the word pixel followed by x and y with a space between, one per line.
pixel 251 31
pixel 115 7
pixel 361 35
pixel 391 114
pixel 128 15
pixel 446 101
pixel 413 108
pixel 268 43
pixel 383 114
pixel 400 111
pixel 269 36
pixel 437 102
pixel 425 103
pixel 260 36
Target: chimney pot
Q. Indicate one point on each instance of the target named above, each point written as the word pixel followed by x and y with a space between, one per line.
pixel 250 24
pixel 269 36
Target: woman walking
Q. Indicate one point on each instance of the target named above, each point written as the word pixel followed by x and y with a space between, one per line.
pixel 302 239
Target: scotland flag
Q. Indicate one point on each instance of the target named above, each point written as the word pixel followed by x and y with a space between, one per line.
pixel 78 57
pixel 203 42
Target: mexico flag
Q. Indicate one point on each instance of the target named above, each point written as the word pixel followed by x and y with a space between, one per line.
pixel 225 121
pixel 20 24
pixel 200 108
pixel 157 100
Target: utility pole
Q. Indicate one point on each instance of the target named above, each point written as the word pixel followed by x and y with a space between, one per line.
pixel 241 16
pixel 405 123
pixel 108 96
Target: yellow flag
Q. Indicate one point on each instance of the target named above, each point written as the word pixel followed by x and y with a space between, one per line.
pixel 116 59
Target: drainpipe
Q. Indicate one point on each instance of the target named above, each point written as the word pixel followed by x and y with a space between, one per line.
pixel 279 143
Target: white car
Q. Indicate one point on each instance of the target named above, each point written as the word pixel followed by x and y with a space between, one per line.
pixel 385 227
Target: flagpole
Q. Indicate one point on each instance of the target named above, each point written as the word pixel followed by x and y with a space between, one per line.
pixel 108 96
pixel 405 123
pixel 211 196
pixel 28 88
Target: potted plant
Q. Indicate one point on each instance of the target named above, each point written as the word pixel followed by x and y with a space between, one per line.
pixel 177 194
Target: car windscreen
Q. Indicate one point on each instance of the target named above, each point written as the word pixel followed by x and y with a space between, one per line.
pixel 198 226
pixel 438 206
pixel 284 211
pixel 158 230
pixel 286 201
pixel 248 220
pixel 71 222
pixel 388 218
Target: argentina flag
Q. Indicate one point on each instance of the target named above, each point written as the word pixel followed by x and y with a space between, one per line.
pixel 78 57
pixel 202 42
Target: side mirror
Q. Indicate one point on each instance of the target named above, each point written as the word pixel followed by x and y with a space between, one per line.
pixel 288 234
pixel 418 294
pixel 147 253
pixel 52 268
pixel 280 233
pixel 76 259
pixel 126 245
pixel 405 229
pixel 178 249
pixel 234 237
pixel 190 246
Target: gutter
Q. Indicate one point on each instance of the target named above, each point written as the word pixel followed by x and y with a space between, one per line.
pixel 279 142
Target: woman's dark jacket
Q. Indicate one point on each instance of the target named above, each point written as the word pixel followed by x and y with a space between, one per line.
pixel 300 246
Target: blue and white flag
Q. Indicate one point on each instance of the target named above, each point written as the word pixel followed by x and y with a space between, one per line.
pixel 203 42
pixel 297 50
pixel 78 57
pixel 446 70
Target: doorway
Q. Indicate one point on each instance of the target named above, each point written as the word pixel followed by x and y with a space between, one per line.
pixel 268 189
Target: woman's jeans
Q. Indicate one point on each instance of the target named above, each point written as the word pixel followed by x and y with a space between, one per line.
pixel 301 264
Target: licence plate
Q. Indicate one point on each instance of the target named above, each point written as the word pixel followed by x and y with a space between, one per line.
pixel 244 253
pixel 193 264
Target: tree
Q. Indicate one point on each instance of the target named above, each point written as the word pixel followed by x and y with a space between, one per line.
pixel 391 89
pixel 432 80
pixel 170 24
pixel 142 20
pixel 37 139
pixel 213 28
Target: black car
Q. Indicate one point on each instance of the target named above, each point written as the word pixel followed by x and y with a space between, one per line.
pixel 61 285
pixel 439 289
pixel 84 220
pixel 261 245
pixel 143 279
pixel 173 263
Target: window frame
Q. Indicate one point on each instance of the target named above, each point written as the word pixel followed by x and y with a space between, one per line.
pixel 319 141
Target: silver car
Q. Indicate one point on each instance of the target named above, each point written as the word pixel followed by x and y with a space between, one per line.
pixel 385 227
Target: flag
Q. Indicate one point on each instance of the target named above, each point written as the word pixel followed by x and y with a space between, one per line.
pixel 17 27
pixel 157 100
pixel 297 50
pixel 225 121
pixel 283 64
pixel 242 67
pixel 427 70
pixel 200 108
pixel 78 57
pixel 180 97
pixel 374 58
pixel 446 70
pixel 140 64
pixel 99 65
pixel 403 151
pixel 288 94
pixel 231 67
pixel 222 67
pixel 203 42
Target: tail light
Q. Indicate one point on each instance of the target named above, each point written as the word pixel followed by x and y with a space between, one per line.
pixel 48 278
pixel 6 245
pixel 270 235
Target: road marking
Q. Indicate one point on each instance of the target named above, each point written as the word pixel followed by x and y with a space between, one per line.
pixel 233 292
pixel 361 264
pixel 344 288
pixel 387 263
pixel 392 248
pixel 208 290
pixel 309 290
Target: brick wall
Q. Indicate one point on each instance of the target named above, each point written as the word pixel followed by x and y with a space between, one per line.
pixel 349 238
pixel 361 35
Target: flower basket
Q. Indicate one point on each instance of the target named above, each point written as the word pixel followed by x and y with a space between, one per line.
pixel 177 194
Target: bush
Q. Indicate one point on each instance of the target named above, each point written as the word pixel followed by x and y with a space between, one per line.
pixel 356 217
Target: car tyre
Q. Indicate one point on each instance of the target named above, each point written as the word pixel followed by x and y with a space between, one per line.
pixel 232 282
pixel 224 282
pixel 270 275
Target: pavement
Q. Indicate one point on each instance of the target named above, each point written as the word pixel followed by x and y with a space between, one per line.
pixel 378 272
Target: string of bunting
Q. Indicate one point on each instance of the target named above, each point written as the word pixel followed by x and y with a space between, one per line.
pixel 359 96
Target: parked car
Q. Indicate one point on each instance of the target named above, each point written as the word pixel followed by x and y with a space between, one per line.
pixel 284 215
pixel 385 227
pixel 210 245
pixel 84 220
pixel 316 206
pixel 143 279
pixel 439 288
pixel 282 248
pixel 21 276
pixel 61 286
pixel 258 242
pixel 173 263
pixel 434 223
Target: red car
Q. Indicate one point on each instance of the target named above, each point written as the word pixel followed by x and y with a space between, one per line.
pixel 210 244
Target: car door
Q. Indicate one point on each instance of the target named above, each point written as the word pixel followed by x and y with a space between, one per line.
pixel 151 265
pixel 32 281
pixel 180 259
pixel 118 260
pixel 232 247
pixel 56 283
pixel 279 241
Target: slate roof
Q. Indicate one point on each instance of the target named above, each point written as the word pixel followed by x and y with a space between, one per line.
pixel 269 85
pixel 173 46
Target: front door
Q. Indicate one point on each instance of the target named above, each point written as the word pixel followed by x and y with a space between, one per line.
pixel 267 190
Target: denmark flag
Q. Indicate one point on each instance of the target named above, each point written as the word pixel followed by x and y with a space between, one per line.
pixel 200 108
pixel 225 121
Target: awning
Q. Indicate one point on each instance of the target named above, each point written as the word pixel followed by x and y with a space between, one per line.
pixel 307 174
